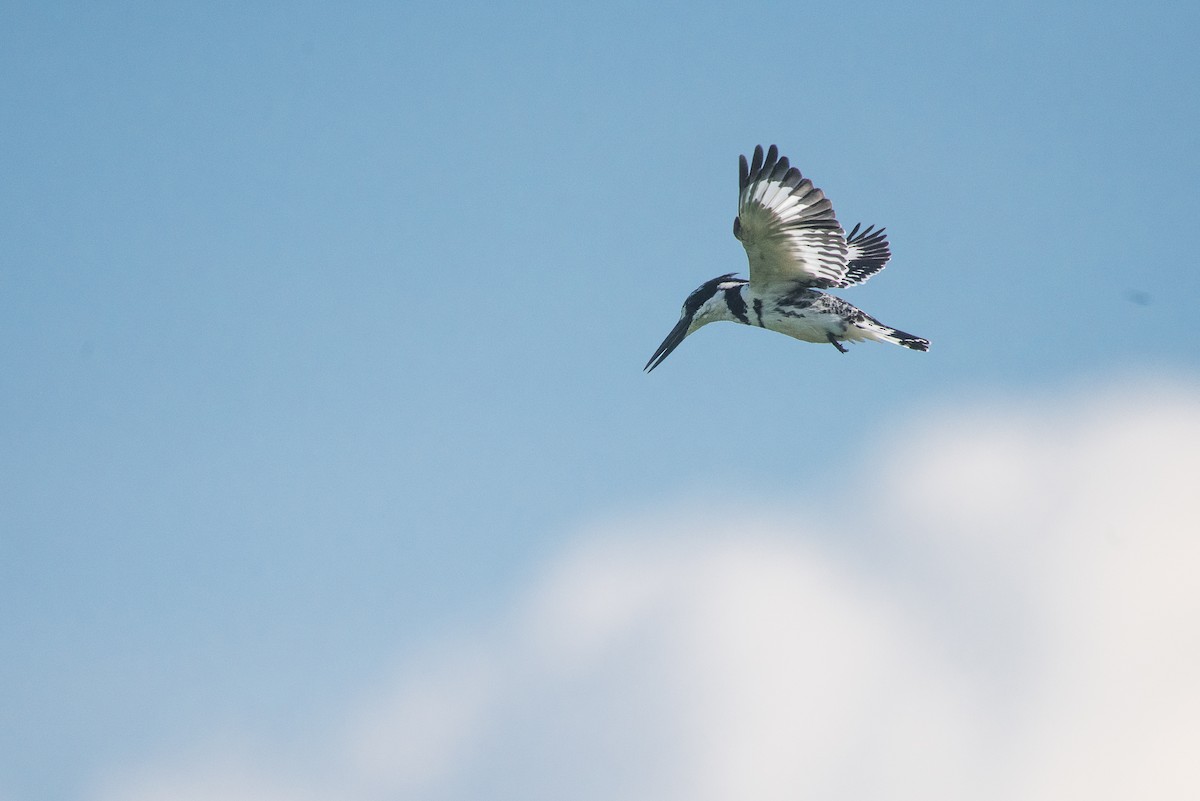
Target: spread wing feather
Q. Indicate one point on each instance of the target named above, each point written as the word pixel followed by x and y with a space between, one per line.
pixel 867 253
pixel 791 234
pixel 787 225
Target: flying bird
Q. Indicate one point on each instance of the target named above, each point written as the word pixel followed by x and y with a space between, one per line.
pixel 796 248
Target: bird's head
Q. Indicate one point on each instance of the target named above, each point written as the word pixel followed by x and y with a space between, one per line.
pixel 705 305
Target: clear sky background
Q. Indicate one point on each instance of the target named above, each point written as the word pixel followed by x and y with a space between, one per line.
pixel 329 470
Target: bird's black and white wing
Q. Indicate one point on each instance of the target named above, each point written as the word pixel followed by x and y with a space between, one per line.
pixel 867 253
pixel 787 225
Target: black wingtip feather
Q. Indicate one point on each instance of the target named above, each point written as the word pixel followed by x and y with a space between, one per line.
pixel 770 161
pixel 757 162
pixel 743 173
pixel 781 169
pixel 868 236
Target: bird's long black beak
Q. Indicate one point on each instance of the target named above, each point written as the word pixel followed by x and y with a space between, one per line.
pixel 669 344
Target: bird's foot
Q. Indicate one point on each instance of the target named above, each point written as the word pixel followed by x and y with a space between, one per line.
pixel 835 343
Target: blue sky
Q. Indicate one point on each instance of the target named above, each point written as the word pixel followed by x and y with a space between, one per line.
pixel 322 327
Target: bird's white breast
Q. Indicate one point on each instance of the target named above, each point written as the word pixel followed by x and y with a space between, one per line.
pixel 813 322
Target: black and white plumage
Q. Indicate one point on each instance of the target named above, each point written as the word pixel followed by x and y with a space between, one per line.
pixel 796 247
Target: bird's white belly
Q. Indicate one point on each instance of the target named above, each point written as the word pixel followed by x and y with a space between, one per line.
pixel 809 326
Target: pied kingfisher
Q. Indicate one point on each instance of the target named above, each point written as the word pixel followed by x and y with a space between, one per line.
pixel 795 245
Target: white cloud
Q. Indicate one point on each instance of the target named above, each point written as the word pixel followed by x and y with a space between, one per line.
pixel 1012 612
pixel 418 728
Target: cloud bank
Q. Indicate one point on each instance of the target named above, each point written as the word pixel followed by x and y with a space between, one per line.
pixel 1002 604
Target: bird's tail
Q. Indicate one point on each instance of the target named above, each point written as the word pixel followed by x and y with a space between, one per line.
pixel 883 333
pixel 908 340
